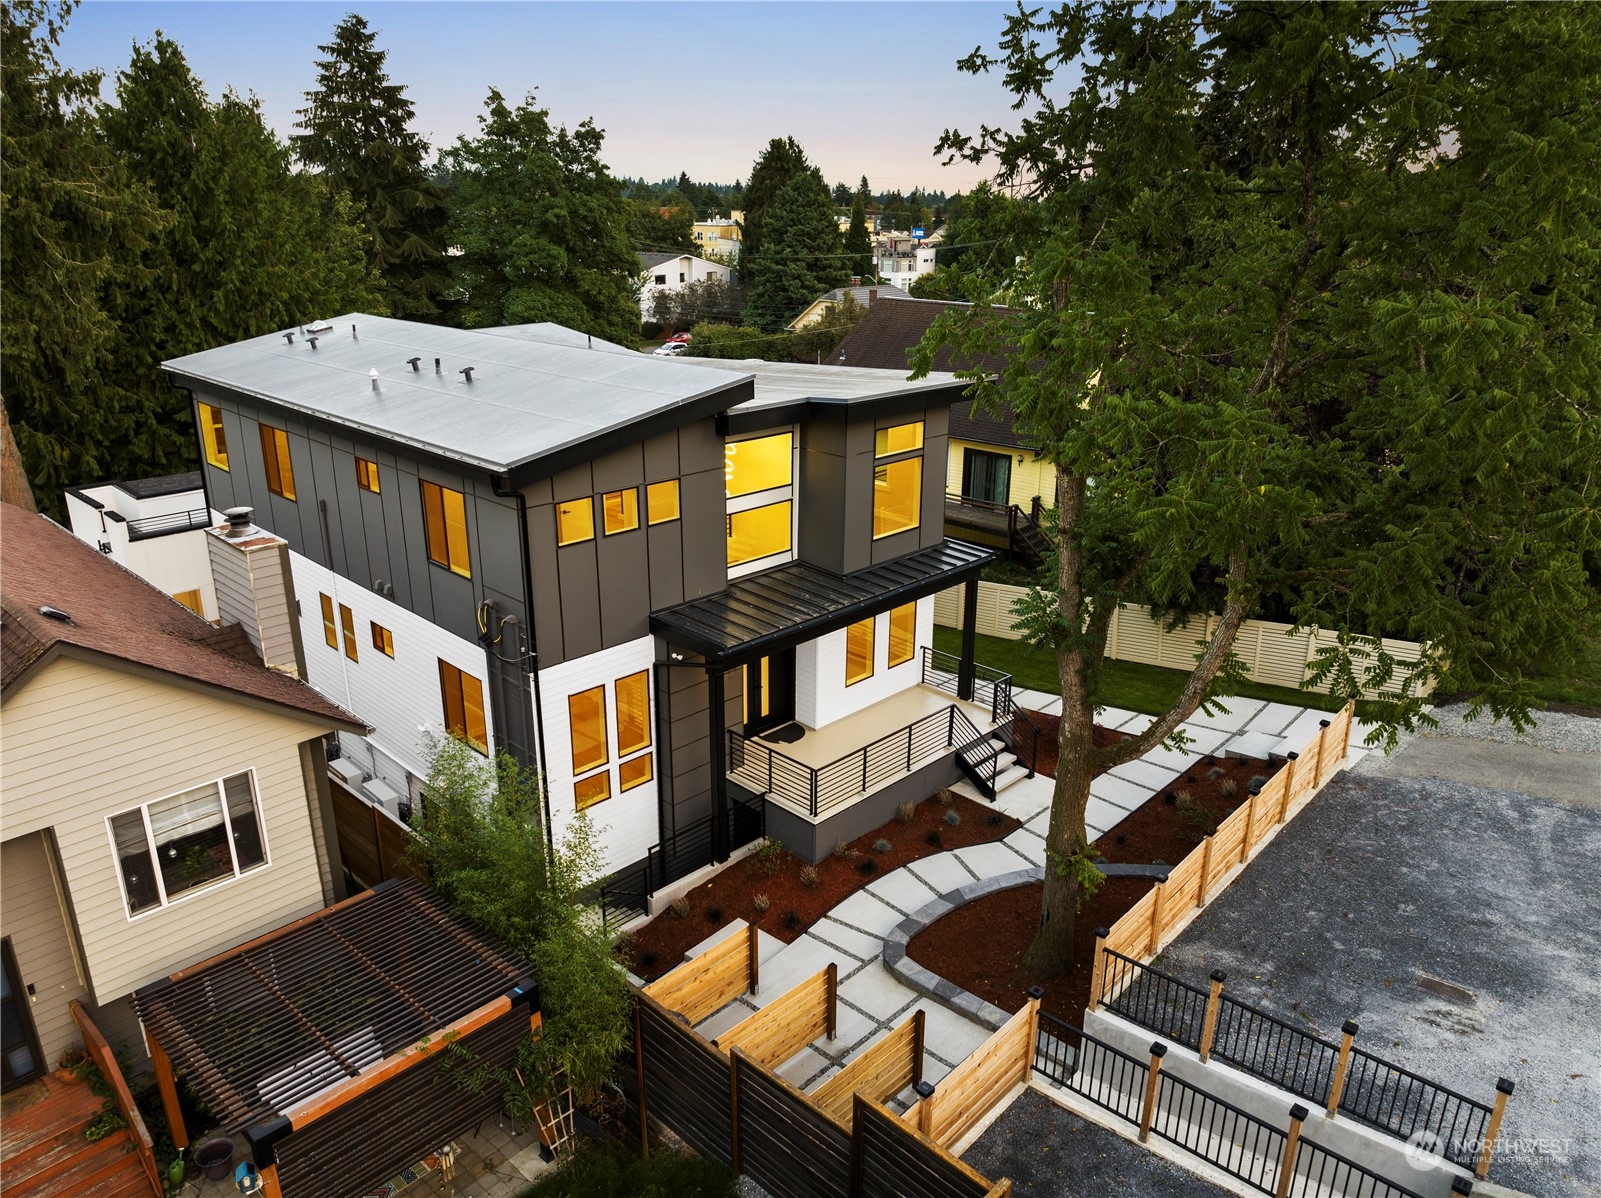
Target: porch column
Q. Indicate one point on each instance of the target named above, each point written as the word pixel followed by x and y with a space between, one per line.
pixel 964 671
pixel 719 737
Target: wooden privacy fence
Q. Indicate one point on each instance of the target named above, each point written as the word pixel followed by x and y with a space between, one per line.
pixel 106 1061
pixel 1152 922
pixel 711 981
pixel 1272 652
pixel 947 1112
pixel 893 1064
pixel 374 846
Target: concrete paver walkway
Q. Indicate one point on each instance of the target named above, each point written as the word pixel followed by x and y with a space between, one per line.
pixel 871 1000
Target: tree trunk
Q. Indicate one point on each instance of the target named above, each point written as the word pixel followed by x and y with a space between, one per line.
pixel 1051 953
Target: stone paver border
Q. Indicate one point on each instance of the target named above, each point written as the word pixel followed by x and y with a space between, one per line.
pixel 926 981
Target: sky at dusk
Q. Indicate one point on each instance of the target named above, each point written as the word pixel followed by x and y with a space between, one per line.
pixel 866 88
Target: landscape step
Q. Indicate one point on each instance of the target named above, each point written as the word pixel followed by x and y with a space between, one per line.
pixel 98 1168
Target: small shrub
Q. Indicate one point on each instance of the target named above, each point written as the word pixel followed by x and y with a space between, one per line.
pixel 1121 838
pixel 792 920
pixel 953 817
pixel 881 845
pixel 1257 782
pixel 808 876
pixel 765 859
pixel 906 812
pixel 1170 797
pixel 935 839
pixel 647 961
pixel 714 915
pixel 678 908
pixel 761 902
pixel 867 866
pixel 844 852
pixel 947 796
pixel 1215 772
pixel 1228 788
pixel 994 819
pixel 1183 798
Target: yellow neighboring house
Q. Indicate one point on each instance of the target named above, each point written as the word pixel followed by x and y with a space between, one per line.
pixel 165 792
pixel 720 236
pixel 865 295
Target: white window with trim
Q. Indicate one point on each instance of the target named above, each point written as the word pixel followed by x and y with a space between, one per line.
pixel 176 846
pixel 759 485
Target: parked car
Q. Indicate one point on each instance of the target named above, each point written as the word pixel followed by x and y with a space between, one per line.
pixel 686 338
pixel 669 350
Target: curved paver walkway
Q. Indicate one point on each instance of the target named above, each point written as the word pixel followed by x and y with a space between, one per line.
pixel 872 1000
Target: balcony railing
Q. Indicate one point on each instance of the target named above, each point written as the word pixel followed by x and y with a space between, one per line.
pixel 991 688
pixel 160 526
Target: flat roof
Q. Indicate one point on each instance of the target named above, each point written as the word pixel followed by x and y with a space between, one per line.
pixel 542 397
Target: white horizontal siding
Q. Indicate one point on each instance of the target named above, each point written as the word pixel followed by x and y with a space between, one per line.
pixel 626 824
pixel 398 696
pixel 83 741
pixel 40 937
pixel 821 696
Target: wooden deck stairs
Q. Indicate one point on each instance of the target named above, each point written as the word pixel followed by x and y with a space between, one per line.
pixel 44 1153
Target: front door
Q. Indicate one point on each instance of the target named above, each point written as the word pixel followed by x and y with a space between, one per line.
pixel 22 1061
pixel 987 476
pixel 769 692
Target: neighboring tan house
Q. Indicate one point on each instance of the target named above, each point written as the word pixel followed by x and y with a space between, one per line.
pixel 165 793
pixel 662 273
pixel 992 468
pixel 142 525
pixel 865 297
pixel 677 588
pixel 719 236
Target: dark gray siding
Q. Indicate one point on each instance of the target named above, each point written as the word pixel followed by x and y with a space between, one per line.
pixel 686 795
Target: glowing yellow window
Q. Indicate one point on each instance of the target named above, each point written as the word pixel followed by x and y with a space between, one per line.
pixel 903 634
pixel 275 453
pixel 634 773
pixel 212 436
pixel 589 791
pixel 758 533
pixel 759 465
pixel 383 640
pixel 445 526
pixel 463 697
pixel 191 600
pixel 661 501
pixel 586 716
pixel 347 621
pixel 620 510
pixel 575 521
pixel 903 438
pixel 367 475
pixel 897 496
pixel 859 651
pixel 330 630
pixel 633 713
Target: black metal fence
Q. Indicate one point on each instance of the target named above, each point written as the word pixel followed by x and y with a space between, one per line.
pixel 1269 1048
pixel 991 688
pixel 1237 1142
pixel 158 526
pixel 1412 1108
pixel 1090 1068
pixel 1320 1171
pixel 1153 999
pixel 626 893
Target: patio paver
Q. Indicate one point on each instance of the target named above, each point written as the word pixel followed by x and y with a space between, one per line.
pixel 902 890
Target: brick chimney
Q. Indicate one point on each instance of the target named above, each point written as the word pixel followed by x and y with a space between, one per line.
pixel 250 567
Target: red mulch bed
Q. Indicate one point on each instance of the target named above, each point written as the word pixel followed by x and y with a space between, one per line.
pixel 661 944
pixel 980 945
pixel 1023 727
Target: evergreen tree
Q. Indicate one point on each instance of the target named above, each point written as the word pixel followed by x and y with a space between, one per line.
pixel 69 216
pixel 1312 294
pixel 252 245
pixel 802 257
pixel 781 161
pixel 858 245
pixel 542 226
pixel 356 134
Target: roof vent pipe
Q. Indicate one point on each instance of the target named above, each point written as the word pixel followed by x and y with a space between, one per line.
pixel 373 375
pixel 414 363
pixel 237 522
pixel 289 338
pixel 436 367
pixel 468 371
pixel 311 341
pixel 55 613
pixel 353 336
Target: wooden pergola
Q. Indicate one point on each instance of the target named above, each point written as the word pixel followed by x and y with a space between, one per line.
pixel 308 1040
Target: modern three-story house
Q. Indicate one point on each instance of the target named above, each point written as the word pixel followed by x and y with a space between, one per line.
pixel 697 596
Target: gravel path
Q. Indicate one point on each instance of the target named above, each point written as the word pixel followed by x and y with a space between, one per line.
pixel 1557 730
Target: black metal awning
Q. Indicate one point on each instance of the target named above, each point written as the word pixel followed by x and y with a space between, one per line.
pixel 782 607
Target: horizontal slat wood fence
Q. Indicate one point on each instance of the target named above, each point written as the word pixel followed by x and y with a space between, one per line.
pixel 970 1091
pixel 686 1082
pixel 787 1024
pixel 711 981
pixel 893 1064
pixel 893 1161
pixel 1272 652
pixel 1152 922
pixel 787 1145
pixel 374 847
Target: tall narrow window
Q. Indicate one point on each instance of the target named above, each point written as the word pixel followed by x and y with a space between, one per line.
pixel 633 713
pixel 367 475
pixel 586 716
pixel 330 630
pixel 758 532
pixel 463 697
pixel 620 510
pixel 575 521
pixel 383 640
pixel 214 440
pixel 275 453
pixel 903 438
pixel 902 634
pixel 859 651
pixel 897 496
pixel 445 525
pixel 661 501
pixel 758 465
pixel 347 622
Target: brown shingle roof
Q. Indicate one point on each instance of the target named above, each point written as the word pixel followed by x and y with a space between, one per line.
pixel 885 336
pixel 118 615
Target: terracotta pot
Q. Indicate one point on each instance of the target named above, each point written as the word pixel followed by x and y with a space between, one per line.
pixel 68 1077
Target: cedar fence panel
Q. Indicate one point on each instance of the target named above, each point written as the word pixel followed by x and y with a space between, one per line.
pixel 374 846
pixel 1228 842
pixel 687 1082
pixel 786 1025
pixel 892 1160
pixel 970 1091
pixel 788 1146
pixel 1131 935
pixel 884 1070
pixel 711 981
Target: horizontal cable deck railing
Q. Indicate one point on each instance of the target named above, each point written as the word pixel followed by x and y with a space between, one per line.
pixel 155 526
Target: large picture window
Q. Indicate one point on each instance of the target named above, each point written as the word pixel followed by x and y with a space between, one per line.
pixel 758 532
pixel 187 841
pixel 445 525
pixel 212 438
pixel 758 465
pixel 463 698
pixel 275 453
pixel 897 496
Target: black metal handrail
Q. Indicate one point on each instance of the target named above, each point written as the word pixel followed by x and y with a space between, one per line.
pixel 991 687
pixel 1321 1171
pixel 1269 1048
pixel 1153 999
pixel 1090 1068
pixel 1405 1105
pixel 155 526
pixel 1217 1131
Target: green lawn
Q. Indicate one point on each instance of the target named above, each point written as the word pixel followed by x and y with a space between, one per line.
pixel 1578 684
pixel 1127 684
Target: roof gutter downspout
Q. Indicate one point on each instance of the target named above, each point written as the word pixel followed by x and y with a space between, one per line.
pixel 495 482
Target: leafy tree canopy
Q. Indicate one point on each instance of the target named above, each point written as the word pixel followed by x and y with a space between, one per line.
pixel 1311 294
pixel 542 226
pixel 356 133
pixel 801 259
